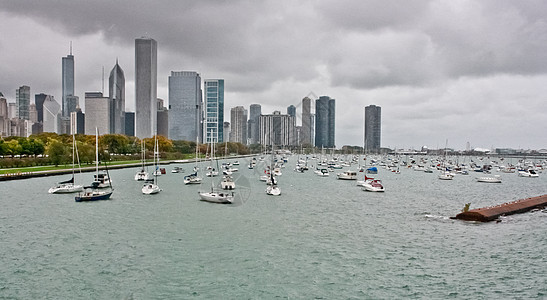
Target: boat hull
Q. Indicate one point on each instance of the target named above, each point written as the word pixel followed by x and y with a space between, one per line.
pixel 93 196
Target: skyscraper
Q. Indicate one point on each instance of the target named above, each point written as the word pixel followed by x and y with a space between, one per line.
pixel 52 115
pixel 214 111
pixel 238 121
pixel 277 129
pixel 39 101
pixel 146 79
pixel 3 106
pixel 255 110
pixel 97 113
pixel 116 92
pixel 373 127
pixel 185 106
pixel 68 82
pixel 22 101
pixel 325 122
pixel 306 133
pixel 291 110
pixel 163 119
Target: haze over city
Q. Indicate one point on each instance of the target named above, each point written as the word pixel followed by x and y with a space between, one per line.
pixel 466 71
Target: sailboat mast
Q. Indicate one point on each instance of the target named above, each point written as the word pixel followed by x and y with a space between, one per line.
pixel 97 150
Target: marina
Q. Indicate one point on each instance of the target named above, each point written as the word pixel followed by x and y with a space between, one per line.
pixel 321 238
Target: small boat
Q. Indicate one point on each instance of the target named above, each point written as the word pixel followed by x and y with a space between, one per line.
pixel 142 175
pixel 236 163
pixel 347 175
pixel 227 183
pixel 374 185
pixel 177 170
pixel 446 175
pixel 217 197
pixel 192 178
pixel 372 170
pixel 323 172
pixel 490 179
pixel 92 193
pixel 67 186
pixel 151 186
pixel 528 173
pixel 273 190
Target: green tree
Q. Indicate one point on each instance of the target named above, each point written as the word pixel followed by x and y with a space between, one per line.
pixel 13 148
pixel 57 152
pixel 86 152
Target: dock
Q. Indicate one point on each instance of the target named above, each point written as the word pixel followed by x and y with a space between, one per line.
pixel 491 213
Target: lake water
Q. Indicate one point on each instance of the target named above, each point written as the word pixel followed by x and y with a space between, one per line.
pixel 321 239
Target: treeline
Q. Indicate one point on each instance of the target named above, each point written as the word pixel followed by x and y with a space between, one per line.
pixel 54 149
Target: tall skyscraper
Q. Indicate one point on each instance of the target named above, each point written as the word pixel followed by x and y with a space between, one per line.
pixel 277 129
pixel 39 101
pixel 129 123
pixel 97 113
pixel 291 110
pixel 306 133
pixel 3 106
pixel 68 83
pixel 52 115
pixel 116 93
pixel 163 119
pixel 238 121
pixel 373 127
pixel 214 111
pixel 22 101
pixel 185 106
pixel 325 122
pixel 255 110
pixel 146 80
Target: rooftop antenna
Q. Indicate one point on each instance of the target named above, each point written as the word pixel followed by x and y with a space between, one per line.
pixel 70 47
pixel 103 81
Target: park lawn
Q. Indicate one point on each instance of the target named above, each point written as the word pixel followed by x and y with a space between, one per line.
pixel 60 167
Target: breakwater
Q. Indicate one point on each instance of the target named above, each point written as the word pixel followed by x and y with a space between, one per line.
pixel 487 214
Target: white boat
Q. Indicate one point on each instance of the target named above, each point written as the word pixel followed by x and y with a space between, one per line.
pixel 177 170
pixel 217 197
pixel 273 190
pixel 151 186
pixel 528 173
pixel 194 178
pixel 92 192
pixel 142 175
pixel 68 186
pixel 446 175
pixel 227 183
pixel 374 185
pixel 323 172
pixel 490 179
pixel 347 175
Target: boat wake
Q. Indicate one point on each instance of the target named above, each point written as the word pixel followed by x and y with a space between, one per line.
pixel 435 217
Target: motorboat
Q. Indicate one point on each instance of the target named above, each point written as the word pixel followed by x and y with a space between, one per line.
pixel 273 190
pixel 227 183
pixel 150 188
pixel 347 175
pixel 446 175
pixel 177 170
pixel 102 179
pixel 490 179
pixel 374 185
pixel 528 173
pixel 192 178
pixel 141 175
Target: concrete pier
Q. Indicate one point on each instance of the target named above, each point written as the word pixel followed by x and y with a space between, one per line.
pixel 487 214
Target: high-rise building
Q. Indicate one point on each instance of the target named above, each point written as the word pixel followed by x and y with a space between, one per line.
pixel 163 119
pixel 12 110
pixel 77 122
pixel 22 101
pixel 277 129
pixel 373 127
pixel 291 110
pixel 226 131
pixel 146 79
pixel 306 133
pixel 214 111
pixel 185 106
pixel 3 106
pixel 129 123
pixel 238 121
pixel 68 83
pixel 116 93
pixel 39 101
pixel 33 113
pixel 325 122
pixel 52 115
pixel 97 113
pixel 255 110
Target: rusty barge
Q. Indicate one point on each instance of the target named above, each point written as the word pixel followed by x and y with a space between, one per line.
pixel 491 213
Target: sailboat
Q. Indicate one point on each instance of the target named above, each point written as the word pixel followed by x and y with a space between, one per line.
pixel 272 189
pixel 92 192
pixel 151 185
pixel 215 196
pixel 68 186
pixel 142 174
pixel 194 178
pixel 227 182
pixel 101 179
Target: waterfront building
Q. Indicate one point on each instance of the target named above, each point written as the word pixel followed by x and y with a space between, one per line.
pixel 277 129
pixel 116 93
pixel 163 119
pixel 146 79
pixel 373 128
pixel 185 106
pixel 307 132
pixel 238 121
pixel 67 83
pixel 52 115
pixel 214 111
pixel 97 113
pixel 22 101
pixel 325 122
pixel 129 123
pixel 255 110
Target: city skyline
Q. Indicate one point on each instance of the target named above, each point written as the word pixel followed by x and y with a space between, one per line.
pixel 443 70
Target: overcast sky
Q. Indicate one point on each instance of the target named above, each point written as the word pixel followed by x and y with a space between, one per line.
pixel 462 71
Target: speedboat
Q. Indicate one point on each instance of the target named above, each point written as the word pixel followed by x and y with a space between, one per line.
pixel 446 175
pixel 177 170
pixel 102 180
pixel 273 190
pixel 528 173
pixel 141 175
pixel 490 179
pixel 347 175
pixel 150 188
pixel 227 183
pixel 374 185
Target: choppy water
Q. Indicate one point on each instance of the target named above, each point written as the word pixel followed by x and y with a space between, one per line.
pixel 323 239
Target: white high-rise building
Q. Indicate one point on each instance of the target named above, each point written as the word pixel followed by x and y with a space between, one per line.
pixel 146 80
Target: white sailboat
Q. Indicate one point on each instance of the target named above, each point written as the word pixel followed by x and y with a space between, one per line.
pixel 68 186
pixel 194 178
pixel 142 174
pixel 214 195
pixel 151 186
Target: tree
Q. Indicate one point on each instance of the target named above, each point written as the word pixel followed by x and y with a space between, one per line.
pixel 57 152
